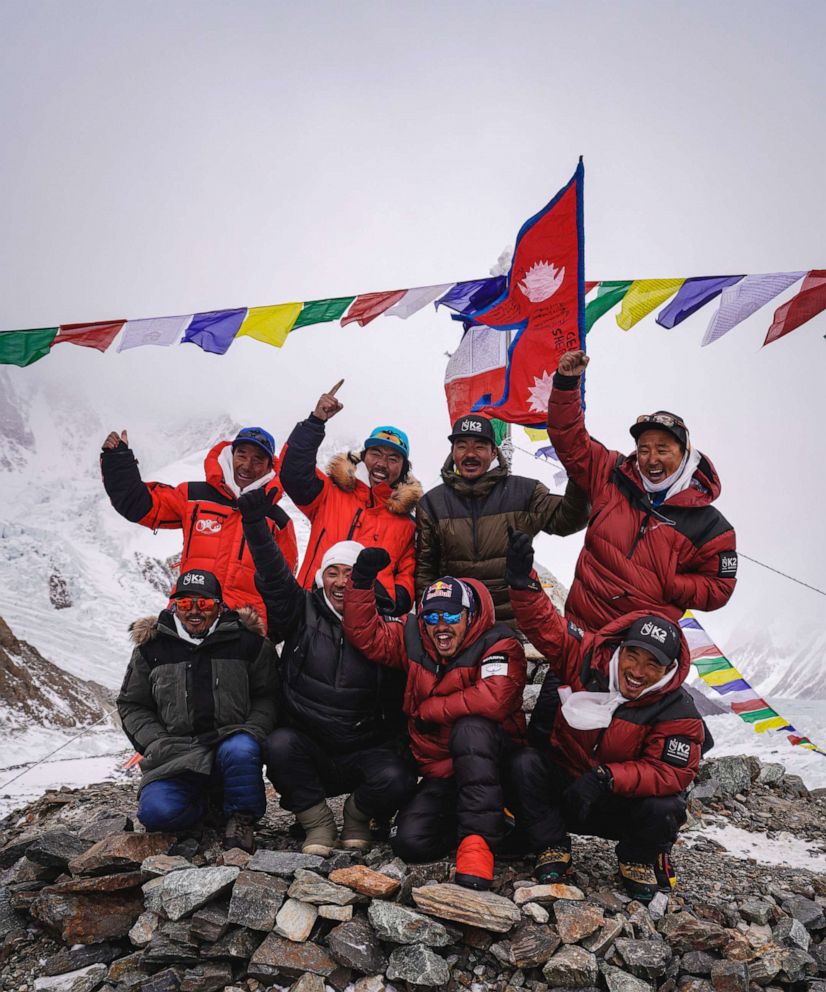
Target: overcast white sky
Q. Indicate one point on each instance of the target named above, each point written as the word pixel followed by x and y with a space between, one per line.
pixel 161 158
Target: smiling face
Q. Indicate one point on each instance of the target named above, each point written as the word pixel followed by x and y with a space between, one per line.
pixel 384 464
pixel 249 463
pixel 334 580
pixel 638 670
pixel 196 618
pixel 658 455
pixel 472 457
pixel 447 638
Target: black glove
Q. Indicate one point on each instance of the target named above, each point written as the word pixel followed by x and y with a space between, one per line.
pixel 519 560
pixel 369 563
pixel 581 795
pixel 256 505
pixel 426 726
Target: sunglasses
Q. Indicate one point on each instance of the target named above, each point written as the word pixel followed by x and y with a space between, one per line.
pixel 186 603
pixel 666 419
pixel 431 619
pixel 389 436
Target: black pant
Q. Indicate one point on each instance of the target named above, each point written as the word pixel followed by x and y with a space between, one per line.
pixel 305 774
pixel 644 827
pixel 445 810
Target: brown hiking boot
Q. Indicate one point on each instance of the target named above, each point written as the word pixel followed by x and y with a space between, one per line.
pixel 643 880
pixel 553 863
pixel 320 829
pixel 355 834
pixel 239 832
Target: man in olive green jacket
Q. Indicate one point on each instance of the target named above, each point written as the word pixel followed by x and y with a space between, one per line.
pixel 462 525
pixel 198 698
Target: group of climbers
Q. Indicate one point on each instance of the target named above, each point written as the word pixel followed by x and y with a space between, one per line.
pixel 418 715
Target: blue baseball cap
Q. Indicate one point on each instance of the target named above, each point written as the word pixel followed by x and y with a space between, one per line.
pixel 257 436
pixel 390 437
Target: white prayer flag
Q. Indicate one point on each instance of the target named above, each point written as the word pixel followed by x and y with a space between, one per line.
pixel 745 298
pixel 162 331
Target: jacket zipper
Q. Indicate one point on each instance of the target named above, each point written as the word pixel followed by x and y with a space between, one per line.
pixel 474 517
pixel 241 552
pixel 354 524
pixel 191 527
pixel 315 549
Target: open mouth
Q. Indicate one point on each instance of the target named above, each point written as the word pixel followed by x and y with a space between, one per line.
pixel 471 463
pixel 443 639
pixel 656 474
pixel 633 683
pixel 337 595
pixel 379 474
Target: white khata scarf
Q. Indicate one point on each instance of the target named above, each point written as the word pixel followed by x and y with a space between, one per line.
pixel 185 635
pixel 677 481
pixel 225 461
pixel 593 710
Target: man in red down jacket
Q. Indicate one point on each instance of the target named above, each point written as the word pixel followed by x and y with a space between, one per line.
pixel 654 541
pixel 365 496
pixel 463 700
pixel 616 739
pixel 207 511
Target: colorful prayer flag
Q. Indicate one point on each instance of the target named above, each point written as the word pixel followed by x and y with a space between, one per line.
pixel 270 324
pixel 809 302
pixel 693 294
pixel 536 433
pixel 458 298
pixel 745 298
pixel 322 311
pixel 608 296
pixel 24 348
pixel 160 331
pixel 98 335
pixel 214 330
pixel 476 367
pixel 416 299
pixel 543 300
pixel 644 296
pixel 368 306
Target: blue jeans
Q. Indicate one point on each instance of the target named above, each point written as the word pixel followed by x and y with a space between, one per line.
pixel 179 803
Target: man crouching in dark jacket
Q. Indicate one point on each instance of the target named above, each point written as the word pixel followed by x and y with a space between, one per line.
pixel 617 738
pixel 198 699
pixel 341 715
pixel 463 700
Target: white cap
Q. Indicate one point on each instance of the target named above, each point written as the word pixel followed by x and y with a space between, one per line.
pixel 343 553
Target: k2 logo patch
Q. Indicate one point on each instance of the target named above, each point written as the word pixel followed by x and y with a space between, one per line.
pixel 575 631
pixel 677 751
pixel 728 565
pixel 494 664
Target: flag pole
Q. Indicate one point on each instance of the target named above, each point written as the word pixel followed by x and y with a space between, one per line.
pixel 506 447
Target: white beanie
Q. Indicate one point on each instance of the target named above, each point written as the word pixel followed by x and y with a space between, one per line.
pixel 343 553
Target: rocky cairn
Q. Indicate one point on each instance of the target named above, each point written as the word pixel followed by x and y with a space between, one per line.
pixel 88 903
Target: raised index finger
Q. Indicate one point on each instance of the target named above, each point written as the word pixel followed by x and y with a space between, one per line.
pixel 336 388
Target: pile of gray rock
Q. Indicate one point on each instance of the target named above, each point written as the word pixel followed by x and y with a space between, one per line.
pixel 89 903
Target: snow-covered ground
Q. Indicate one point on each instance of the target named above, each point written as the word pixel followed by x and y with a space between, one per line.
pixel 780 849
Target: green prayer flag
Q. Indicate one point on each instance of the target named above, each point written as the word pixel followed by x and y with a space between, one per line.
pixel 608 296
pixel 321 311
pixel 500 429
pixel 25 347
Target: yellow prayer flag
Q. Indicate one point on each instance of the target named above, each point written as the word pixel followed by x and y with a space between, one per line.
pixel 644 296
pixel 270 324
pixel 773 723
pixel 536 433
pixel 723 677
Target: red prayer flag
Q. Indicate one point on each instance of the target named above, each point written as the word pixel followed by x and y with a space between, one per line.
pixel 368 306
pixel 96 335
pixel 809 302
pixel 544 300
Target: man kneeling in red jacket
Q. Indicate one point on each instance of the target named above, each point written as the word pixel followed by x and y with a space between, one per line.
pixel 463 700
pixel 617 739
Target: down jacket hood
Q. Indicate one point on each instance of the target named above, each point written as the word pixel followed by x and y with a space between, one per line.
pixel 214 473
pixel 483 619
pixel 146 628
pixel 609 638
pixel 705 485
pixel 401 498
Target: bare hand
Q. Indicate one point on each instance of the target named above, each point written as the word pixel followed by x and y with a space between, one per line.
pixel 328 406
pixel 114 439
pixel 572 363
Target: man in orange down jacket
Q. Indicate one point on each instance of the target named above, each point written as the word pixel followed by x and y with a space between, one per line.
pixel 207 511
pixel 616 739
pixel 655 541
pixel 463 700
pixel 365 496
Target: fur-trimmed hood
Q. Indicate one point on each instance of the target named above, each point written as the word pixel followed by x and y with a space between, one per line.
pixel 401 498
pixel 146 628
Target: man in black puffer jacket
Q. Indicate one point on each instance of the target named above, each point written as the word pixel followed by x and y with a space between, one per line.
pixel 341 714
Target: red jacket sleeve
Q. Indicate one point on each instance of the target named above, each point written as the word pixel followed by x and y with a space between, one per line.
pixel 377 639
pixel 168 506
pixel 495 696
pixel 586 461
pixel 668 764
pixel 539 620
pixel 706 579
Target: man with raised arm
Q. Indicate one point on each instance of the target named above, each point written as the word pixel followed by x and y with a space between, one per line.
pixel 206 511
pixel 366 496
pixel 655 541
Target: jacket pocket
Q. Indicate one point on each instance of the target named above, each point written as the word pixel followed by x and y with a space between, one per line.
pixel 169 692
pixel 230 691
